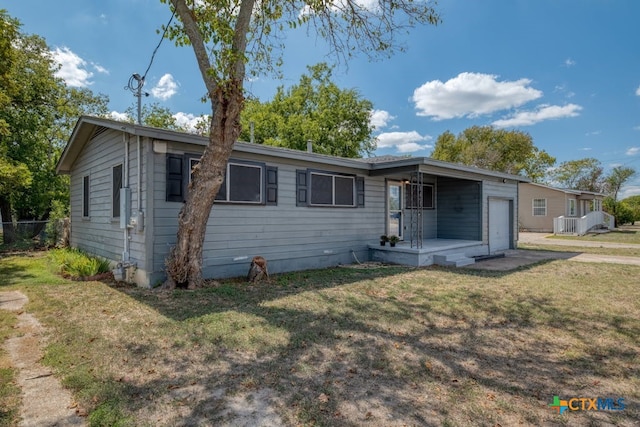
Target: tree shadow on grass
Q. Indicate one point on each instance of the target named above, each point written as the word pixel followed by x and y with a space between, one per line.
pixel 355 354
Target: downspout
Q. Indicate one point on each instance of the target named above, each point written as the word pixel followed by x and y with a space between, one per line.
pixel 139 214
pixel 125 184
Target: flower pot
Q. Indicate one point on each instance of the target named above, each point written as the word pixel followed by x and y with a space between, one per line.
pixel 382 242
pixel 392 244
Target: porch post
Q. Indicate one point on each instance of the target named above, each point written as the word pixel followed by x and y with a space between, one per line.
pixel 415 202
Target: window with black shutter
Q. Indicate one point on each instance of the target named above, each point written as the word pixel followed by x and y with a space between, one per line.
pixel 85 196
pixel 244 182
pixel 319 188
pixel 116 186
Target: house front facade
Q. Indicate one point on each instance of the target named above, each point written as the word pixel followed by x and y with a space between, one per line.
pixel 539 204
pixel 299 210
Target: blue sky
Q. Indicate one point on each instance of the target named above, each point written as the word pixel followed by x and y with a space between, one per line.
pixel 565 71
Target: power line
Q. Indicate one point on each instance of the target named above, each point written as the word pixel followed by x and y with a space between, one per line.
pixel 136 88
pixel 153 55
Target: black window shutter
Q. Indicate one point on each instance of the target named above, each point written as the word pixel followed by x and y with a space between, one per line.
pixel 360 191
pixel 302 186
pixel 175 175
pixel 272 185
pixel 117 184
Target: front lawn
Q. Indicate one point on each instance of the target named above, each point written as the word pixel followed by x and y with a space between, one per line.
pixel 385 346
pixel 624 234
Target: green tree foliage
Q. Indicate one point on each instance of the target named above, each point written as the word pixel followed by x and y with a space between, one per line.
pixel 494 149
pixel 617 178
pixel 37 116
pixel 633 203
pixel 335 120
pixel 582 174
pixel 234 39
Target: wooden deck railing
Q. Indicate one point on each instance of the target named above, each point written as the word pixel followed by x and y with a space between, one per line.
pixel 581 225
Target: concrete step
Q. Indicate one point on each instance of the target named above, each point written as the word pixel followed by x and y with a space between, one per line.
pixel 453 260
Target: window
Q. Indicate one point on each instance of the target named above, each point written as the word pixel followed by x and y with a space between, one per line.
pixel 117 185
pixel 596 205
pixel 317 188
pixel 539 207
pixel 242 184
pixel 411 196
pixel 85 196
pixel 244 181
pixel 572 207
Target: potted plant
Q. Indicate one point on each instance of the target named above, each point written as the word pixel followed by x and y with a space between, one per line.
pixel 383 239
pixel 393 240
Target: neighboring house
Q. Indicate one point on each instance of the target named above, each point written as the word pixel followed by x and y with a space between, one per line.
pixel 299 210
pixel 540 205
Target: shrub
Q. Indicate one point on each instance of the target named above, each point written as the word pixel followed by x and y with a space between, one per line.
pixel 75 263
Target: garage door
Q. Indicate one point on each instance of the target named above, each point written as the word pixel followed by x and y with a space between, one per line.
pixel 499 225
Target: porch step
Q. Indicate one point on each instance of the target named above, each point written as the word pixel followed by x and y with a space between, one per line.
pixel 453 260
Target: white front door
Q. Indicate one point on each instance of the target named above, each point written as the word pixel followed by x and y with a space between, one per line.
pixel 499 225
pixel 394 209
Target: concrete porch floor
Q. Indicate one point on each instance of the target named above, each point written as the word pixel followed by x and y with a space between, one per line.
pixel 404 254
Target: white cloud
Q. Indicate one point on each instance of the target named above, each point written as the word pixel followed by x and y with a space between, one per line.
pixel 471 95
pixel 633 151
pixel 100 69
pixel 586 149
pixel 569 62
pixel 188 120
pixel 404 142
pixel 380 118
pixel 638 91
pixel 115 115
pixel 541 113
pixel 73 69
pixel 166 87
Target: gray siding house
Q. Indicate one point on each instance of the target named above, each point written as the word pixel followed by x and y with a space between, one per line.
pixel 299 210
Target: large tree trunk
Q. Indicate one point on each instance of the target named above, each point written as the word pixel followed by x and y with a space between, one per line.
pixel 184 264
pixel 8 231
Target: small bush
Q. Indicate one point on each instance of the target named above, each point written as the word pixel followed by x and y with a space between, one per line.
pixel 75 263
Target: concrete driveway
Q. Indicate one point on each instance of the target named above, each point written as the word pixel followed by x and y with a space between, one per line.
pixel 516 258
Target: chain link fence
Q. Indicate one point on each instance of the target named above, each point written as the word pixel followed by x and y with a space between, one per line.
pixel 36 233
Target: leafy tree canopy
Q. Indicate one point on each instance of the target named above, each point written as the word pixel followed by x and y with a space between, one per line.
pixel 37 114
pixel 617 178
pixel 494 149
pixel 582 174
pixel 335 120
pixel 233 39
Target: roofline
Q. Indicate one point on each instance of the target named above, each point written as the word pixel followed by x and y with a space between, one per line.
pixel 81 131
pixel 568 190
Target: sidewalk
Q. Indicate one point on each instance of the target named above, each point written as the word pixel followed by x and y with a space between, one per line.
pixel 541 239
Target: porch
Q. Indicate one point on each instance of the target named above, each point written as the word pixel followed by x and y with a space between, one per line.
pixel 433 251
pixel 579 226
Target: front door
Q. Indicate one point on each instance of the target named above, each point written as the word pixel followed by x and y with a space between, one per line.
pixel 394 209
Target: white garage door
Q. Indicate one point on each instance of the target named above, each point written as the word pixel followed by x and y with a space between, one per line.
pixel 498 225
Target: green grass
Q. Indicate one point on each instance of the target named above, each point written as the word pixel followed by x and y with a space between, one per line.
pixel 9 392
pixel 386 346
